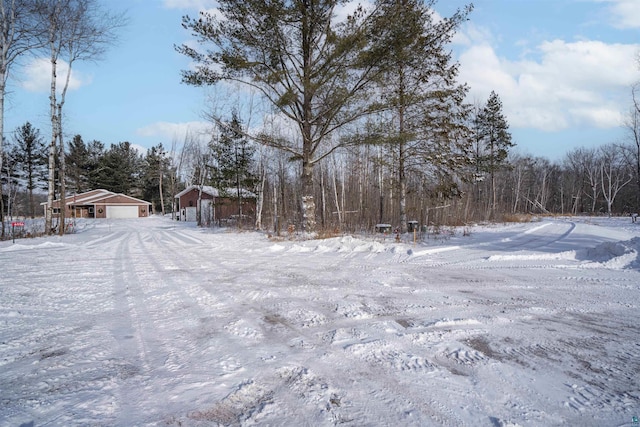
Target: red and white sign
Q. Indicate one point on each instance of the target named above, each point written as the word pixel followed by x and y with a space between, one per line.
pixel 17 224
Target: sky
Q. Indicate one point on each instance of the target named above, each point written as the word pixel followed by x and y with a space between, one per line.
pixel 562 68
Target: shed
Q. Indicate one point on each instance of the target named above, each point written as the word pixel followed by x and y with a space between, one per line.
pixel 215 205
pixel 102 204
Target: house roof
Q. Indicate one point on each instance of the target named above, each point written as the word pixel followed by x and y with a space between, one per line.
pixel 100 196
pixel 214 192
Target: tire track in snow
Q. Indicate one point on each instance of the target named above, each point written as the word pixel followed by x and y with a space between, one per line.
pixel 171 289
pixel 528 240
pixel 205 320
pixel 128 331
pixel 290 327
pixel 67 370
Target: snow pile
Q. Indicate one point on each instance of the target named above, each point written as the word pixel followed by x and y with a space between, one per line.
pixel 614 255
pixel 568 255
pixel 345 245
pixel 25 247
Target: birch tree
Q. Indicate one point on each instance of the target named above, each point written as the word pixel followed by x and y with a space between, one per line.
pixel 77 30
pixel 589 161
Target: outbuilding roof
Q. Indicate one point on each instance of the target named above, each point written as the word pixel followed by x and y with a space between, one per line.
pixel 214 192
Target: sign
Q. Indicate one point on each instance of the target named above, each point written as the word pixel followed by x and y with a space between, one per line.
pixel 15 224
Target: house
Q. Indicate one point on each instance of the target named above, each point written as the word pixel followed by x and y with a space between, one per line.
pixel 215 206
pixel 102 204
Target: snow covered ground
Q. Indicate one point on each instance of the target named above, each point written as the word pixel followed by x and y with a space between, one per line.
pixel 153 322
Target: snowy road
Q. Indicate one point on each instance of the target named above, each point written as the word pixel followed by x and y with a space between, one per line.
pixel 151 322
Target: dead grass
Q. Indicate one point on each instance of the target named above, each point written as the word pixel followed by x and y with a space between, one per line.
pixel 517 217
pixel 329 233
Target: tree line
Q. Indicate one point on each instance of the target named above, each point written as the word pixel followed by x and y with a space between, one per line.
pixel 375 124
pixel 120 168
pixel 357 187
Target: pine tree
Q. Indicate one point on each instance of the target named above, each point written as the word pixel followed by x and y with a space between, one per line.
pixel 494 137
pixel 94 168
pixel 77 163
pixel 119 170
pixel 232 169
pixel 429 114
pixel 155 169
pixel 30 157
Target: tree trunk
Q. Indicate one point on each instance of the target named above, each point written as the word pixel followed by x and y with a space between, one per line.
pixel 308 202
pixel 63 189
pixel 402 178
pixel 260 200
pixel 2 92
pixel 62 169
pixel 52 150
pixel 335 195
pixel 323 199
pixel 160 190
pixel 519 174
pixel 276 226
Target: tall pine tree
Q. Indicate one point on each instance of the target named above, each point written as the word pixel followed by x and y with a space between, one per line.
pixel 427 130
pixel 119 170
pixel 155 169
pixel 30 157
pixel 77 166
pixel 494 137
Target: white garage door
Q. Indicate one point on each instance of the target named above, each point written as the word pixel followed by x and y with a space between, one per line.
pixel 122 212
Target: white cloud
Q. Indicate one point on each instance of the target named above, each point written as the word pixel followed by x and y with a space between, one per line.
pixel 583 83
pixel 625 14
pixel 190 4
pixel 167 131
pixel 36 76
pixel 473 34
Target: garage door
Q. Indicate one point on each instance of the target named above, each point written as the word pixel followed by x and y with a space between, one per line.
pixel 122 212
pixel 189 214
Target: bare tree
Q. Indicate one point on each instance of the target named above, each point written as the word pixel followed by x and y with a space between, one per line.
pixel 194 160
pixel 632 124
pixel 586 162
pixel 175 170
pixel 614 173
pixel 574 175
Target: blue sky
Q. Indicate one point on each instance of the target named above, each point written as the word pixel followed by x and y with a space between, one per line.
pixel 563 69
